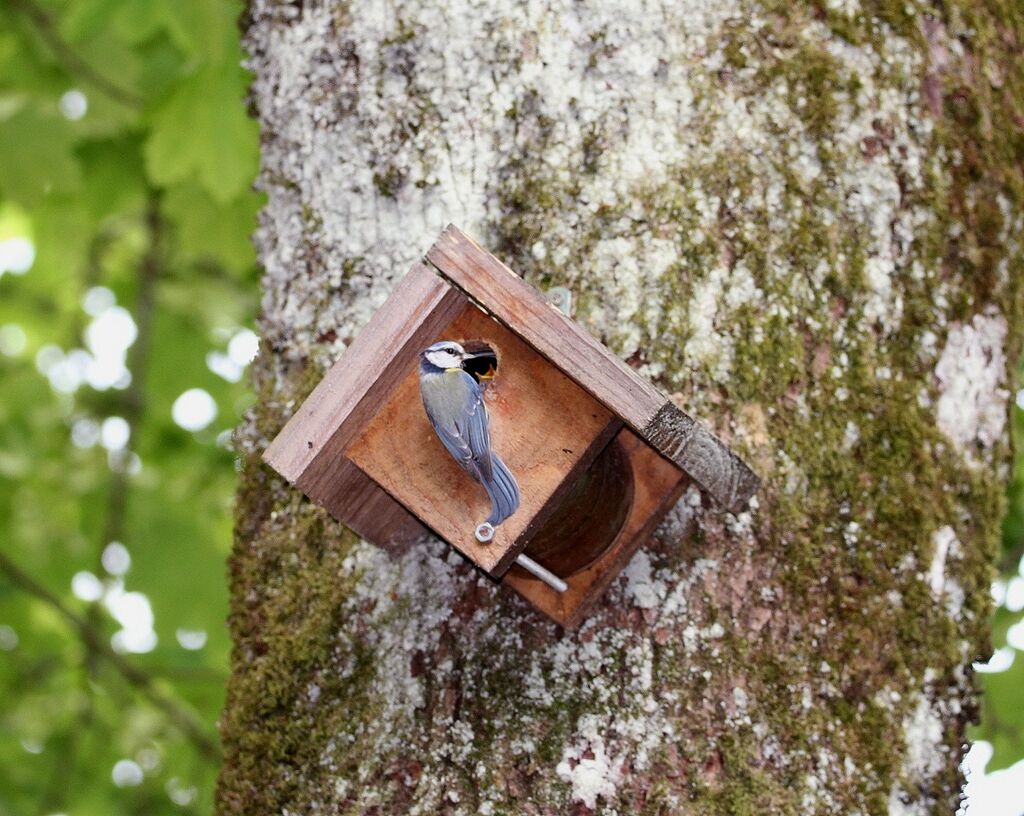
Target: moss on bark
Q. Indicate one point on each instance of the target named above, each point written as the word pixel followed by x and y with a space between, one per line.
pixel 803 286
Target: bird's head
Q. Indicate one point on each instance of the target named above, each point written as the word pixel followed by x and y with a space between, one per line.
pixel 445 354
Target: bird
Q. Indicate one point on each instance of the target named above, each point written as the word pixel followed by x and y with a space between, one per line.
pixel 454 404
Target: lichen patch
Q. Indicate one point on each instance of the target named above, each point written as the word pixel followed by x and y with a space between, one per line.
pixel 971 375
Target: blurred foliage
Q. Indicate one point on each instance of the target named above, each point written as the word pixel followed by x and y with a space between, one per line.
pixel 126 159
pixel 1002 711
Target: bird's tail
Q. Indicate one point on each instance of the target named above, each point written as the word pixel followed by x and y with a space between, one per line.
pixel 503 490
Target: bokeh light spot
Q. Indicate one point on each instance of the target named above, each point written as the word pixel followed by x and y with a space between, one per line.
pixel 8 638
pixel 12 340
pixel 191 639
pixel 243 346
pixel 194 409
pixel 114 433
pixel 115 559
pixel 73 105
pixel 17 255
pixel 126 773
pixel 86 586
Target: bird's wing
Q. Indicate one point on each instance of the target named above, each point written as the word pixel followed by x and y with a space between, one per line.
pixel 457 412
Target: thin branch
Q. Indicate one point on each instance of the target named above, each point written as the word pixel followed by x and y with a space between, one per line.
pixel 133 401
pixel 73 63
pixel 183 719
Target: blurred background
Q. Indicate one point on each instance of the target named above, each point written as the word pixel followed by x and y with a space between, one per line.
pixel 128 288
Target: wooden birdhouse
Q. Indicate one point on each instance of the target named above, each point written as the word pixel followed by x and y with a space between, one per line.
pixel 600 455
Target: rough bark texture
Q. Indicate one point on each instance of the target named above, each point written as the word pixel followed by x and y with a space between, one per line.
pixel 803 218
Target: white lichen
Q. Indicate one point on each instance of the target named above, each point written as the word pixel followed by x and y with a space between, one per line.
pixel 587 767
pixel 645 591
pixel 971 376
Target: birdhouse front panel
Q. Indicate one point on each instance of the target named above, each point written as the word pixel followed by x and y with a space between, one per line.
pixel 543 426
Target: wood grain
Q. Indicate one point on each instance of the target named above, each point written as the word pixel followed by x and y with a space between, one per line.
pixel 519 306
pixel 544 426
pixel 310 449
pixel 657 487
pixel 703 456
pixel 361 504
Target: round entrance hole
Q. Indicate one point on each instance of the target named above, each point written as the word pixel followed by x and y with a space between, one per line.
pixel 483 365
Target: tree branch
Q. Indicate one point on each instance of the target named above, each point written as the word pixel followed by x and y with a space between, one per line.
pixel 183 719
pixel 73 63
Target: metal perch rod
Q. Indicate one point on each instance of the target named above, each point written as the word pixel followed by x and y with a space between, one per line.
pixel 546 576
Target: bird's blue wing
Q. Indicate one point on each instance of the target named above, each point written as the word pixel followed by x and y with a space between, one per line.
pixel 455 407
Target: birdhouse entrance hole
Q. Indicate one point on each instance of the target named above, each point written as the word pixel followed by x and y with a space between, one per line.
pixel 483 366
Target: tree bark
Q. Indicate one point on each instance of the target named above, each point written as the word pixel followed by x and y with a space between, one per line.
pixel 800 219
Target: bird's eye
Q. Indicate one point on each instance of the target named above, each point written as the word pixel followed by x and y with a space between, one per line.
pixel 450 350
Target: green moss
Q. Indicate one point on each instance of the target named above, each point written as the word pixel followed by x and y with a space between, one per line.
pixel 849 597
pixel 388 181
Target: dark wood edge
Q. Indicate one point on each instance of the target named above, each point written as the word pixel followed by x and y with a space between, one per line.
pixel 702 456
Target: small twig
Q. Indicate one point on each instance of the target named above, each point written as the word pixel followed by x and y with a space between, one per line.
pixel 184 720
pixel 73 63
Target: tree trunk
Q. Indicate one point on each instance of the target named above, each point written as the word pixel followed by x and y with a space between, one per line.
pixel 802 220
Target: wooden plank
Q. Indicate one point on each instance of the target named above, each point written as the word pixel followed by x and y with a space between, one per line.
pixel 657 487
pixel 311 447
pixel 703 456
pixel 520 307
pixel 361 504
pixel 543 425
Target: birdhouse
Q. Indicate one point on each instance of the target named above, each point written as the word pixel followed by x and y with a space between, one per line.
pixel 599 454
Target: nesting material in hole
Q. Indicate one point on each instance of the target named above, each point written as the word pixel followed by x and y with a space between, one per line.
pixel 484 364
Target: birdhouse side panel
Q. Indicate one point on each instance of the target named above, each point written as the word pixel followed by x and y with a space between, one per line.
pixel 364 506
pixel 658 484
pixel 309 449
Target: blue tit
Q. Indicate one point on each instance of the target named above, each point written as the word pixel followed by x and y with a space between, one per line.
pixel 453 400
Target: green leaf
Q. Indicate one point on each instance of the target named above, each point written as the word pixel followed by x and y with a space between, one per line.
pixel 36 157
pixel 114 176
pixel 199 27
pixel 212 231
pixel 201 131
pixel 85 19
